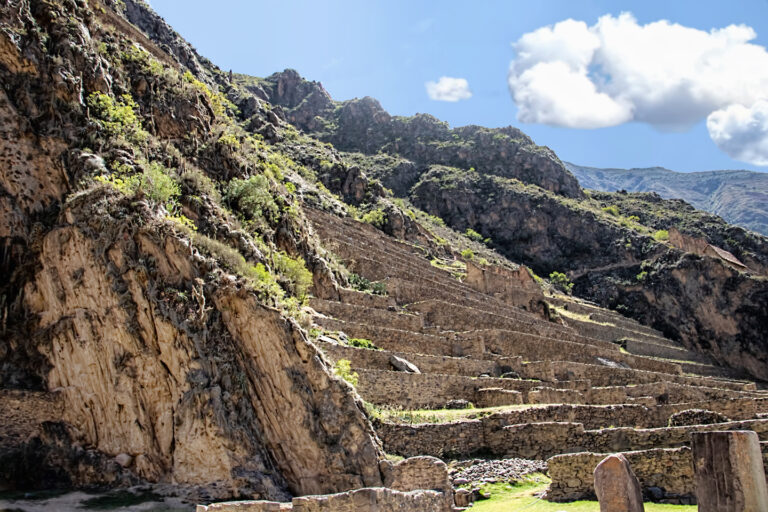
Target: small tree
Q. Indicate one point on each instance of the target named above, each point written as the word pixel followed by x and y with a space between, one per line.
pixel 561 282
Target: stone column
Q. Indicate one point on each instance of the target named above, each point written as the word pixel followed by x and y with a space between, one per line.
pixel 729 472
pixel 616 486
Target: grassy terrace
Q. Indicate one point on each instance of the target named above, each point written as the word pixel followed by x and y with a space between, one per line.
pixel 440 415
pixel 526 496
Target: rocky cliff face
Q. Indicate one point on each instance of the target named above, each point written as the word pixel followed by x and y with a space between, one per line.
pixel 163 329
pixel 614 260
pixel 362 125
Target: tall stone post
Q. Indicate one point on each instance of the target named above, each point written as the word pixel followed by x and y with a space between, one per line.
pixel 729 472
pixel 616 486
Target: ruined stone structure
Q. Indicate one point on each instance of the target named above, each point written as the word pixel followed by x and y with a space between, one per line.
pixel 177 264
pixel 594 383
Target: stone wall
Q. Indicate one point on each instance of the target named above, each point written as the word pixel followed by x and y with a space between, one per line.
pixel 366 299
pixel 539 348
pixel 432 391
pixel 379 360
pixel 541 439
pixel 418 483
pixel 395 319
pixel 377 499
pixel 516 287
pixel 494 397
pixel 668 469
pixel 547 395
pixel 602 375
pixel 406 341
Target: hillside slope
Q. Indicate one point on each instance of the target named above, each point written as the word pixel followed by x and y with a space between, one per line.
pixel 185 252
pixel 524 201
pixel 739 197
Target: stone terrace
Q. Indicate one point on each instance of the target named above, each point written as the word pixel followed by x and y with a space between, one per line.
pixel 592 381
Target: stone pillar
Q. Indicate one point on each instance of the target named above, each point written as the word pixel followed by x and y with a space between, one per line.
pixel 616 486
pixel 729 472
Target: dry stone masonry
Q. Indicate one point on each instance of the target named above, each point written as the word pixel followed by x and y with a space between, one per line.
pixel 570 388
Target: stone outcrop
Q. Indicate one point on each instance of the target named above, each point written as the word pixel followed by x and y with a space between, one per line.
pixel 155 391
pixel 703 248
pixel 362 125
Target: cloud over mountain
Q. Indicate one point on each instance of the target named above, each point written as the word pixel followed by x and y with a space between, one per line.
pixel 448 89
pixel 664 74
pixel 741 132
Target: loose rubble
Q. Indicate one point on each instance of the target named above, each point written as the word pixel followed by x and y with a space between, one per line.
pixel 491 471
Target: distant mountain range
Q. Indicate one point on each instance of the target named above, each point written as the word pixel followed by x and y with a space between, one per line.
pixel 739 197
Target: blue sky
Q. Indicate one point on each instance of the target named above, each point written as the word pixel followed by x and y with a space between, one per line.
pixel 389 50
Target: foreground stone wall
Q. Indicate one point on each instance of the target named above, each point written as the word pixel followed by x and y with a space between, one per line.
pixel 668 469
pixel 377 499
pixel 671 470
pixel 418 483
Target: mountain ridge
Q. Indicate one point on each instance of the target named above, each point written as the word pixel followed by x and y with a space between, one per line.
pixel 738 196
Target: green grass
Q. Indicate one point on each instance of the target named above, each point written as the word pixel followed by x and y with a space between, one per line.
pixel 442 415
pixel 525 496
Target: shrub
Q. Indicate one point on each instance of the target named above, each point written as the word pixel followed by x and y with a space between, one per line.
pixel 362 343
pixel 294 270
pixel 468 254
pixel 473 235
pixel 642 275
pixel 376 218
pixel 154 182
pixel 361 284
pixel 661 235
pixel 561 282
pixel 253 198
pixel 612 210
pixel 343 369
pixel 218 102
pixel 117 118
pixel 157 185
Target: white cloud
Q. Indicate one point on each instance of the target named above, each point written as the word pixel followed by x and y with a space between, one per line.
pixel 741 132
pixel 448 89
pixel 615 71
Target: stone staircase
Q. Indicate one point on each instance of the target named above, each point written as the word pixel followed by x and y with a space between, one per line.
pixel 594 381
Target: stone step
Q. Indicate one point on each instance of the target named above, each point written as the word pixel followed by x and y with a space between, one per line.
pixel 381 360
pixel 482 344
pixel 601 375
pixel 550 389
pixel 355 237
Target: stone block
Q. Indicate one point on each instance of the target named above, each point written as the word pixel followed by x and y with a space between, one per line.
pixel 616 486
pixel 730 476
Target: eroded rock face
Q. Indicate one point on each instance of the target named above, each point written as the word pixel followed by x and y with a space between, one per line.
pixel 160 364
pixel 700 301
pixel 225 397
